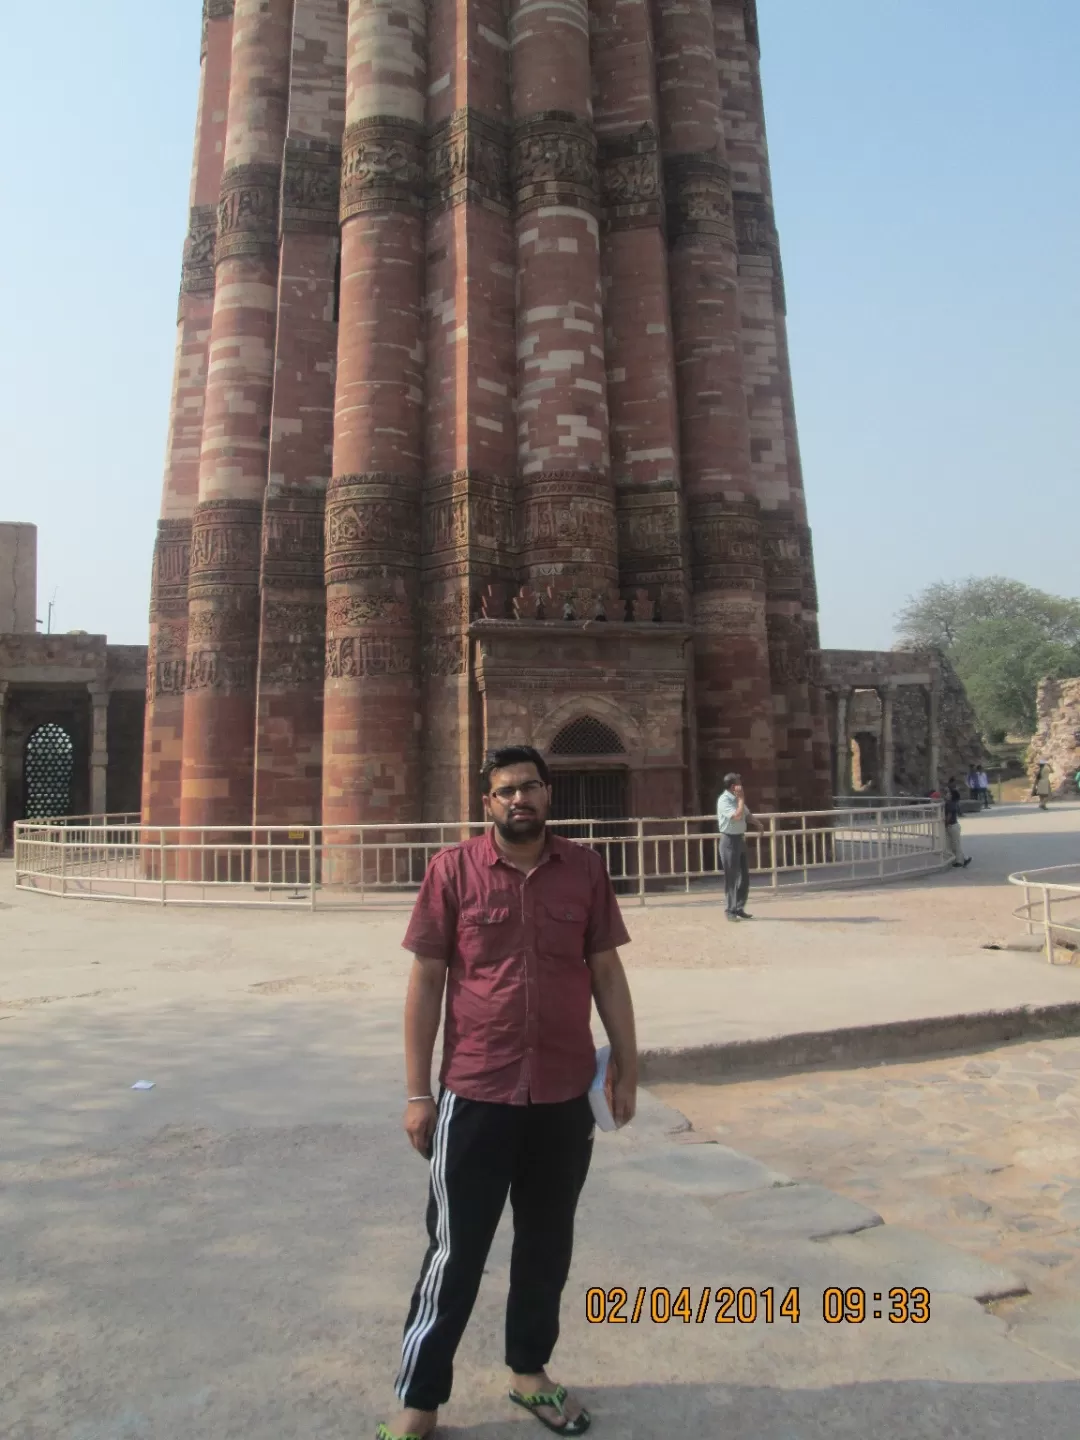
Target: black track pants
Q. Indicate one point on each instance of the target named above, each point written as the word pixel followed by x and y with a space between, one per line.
pixel 539 1155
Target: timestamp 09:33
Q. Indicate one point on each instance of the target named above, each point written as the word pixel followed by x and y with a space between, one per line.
pixel 745 1306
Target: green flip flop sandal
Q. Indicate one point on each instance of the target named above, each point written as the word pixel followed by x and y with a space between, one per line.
pixel 385 1433
pixel 556 1400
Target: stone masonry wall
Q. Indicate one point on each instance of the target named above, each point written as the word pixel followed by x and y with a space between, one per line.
pixel 1058 736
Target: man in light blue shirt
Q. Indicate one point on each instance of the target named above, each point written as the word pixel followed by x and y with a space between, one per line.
pixel 732 818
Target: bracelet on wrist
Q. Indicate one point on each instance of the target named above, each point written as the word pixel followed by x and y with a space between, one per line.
pixel 419 1097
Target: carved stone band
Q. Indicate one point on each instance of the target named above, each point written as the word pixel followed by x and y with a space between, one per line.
pixel 783 555
pixel 197 277
pixel 311 187
pixel 630 179
pixel 172 563
pixel 469 159
pixel 555 162
pixel 292 540
pixel 383 167
pixel 699 200
pixel 727 541
pixel 219 9
pixel 248 211
pixel 226 539
pixel 371 521
pixel 755 227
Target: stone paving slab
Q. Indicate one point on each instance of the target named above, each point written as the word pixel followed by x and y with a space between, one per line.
pixel 704 1171
pixel 913 1258
pixel 804 1212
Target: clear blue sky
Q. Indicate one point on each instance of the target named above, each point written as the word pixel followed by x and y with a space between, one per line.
pixel 924 156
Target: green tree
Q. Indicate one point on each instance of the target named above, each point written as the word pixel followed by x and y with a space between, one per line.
pixel 1002 638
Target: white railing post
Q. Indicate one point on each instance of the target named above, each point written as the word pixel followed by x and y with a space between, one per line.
pixel 311 865
pixel 880 822
pixel 1027 910
pixel 163 857
pixel 772 852
pixel 805 869
pixel 641 860
pixel 1048 923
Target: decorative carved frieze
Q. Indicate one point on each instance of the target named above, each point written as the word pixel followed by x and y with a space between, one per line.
pixel 383 166
pixel 388 607
pixel 699 200
pixel 783 556
pixel 718 613
pixel 468 508
pixel 650 528
pixel 809 575
pixel 311 187
pixel 789 657
pixel 226 541
pixel 197 276
pixel 166 666
pixel 355 657
pixel 469 159
pixel 221 670
pixel 371 520
pixel 248 211
pixel 444 655
pixel 757 239
pixel 169 578
pixel 567 511
pixel 555 162
pixel 631 181
pixel 291 652
pixel 293 539
pixel 727 543
pixel 219 9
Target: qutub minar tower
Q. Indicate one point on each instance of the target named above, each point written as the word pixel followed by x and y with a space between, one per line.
pixel 482 428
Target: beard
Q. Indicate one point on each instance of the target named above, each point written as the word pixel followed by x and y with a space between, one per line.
pixel 517 828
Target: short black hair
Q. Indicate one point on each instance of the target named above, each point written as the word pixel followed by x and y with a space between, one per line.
pixel 731 779
pixel 507 755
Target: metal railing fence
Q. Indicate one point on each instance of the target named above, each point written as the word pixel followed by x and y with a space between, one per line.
pixel 1047 893
pixel 315 867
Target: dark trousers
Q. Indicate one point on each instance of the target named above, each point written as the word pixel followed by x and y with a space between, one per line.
pixel 736 864
pixel 539 1155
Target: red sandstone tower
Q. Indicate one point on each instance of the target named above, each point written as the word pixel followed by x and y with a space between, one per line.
pixel 482 428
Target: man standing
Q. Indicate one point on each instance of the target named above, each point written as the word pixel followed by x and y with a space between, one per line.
pixel 732 818
pixel 984 787
pixel 520 929
pixel 952 826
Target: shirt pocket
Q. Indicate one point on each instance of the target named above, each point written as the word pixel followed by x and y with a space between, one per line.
pixel 484 932
pixel 562 930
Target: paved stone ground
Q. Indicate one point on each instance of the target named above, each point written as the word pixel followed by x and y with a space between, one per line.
pixel 229 1254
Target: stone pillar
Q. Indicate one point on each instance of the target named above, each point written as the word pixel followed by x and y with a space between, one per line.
pixel 567 524
pixel 888 744
pixel 292 621
pixel 371 740
pixel 99 749
pixel 843 745
pixel 733 687
pixel 223 611
pixel 934 718
pixel 467 531
pixel 164 724
pixel 653 538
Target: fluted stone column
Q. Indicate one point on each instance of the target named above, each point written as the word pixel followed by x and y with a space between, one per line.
pixel 733 687
pixel 467 530
pixel 163 736
pixel 642 400
pixel 292 626
pixel 804 769
pixel 888 740
pixel 223 612
pixel 371 744
pixel 567 511
pixel 843 745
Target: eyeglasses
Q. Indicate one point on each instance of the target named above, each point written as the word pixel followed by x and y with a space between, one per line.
pixel 530 788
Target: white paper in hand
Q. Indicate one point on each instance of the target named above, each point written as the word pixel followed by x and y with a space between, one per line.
pixel 598 1094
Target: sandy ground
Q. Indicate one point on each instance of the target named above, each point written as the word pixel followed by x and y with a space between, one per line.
pixel 230 1253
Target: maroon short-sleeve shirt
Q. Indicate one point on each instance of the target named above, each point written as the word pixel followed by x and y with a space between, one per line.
pixel 518 989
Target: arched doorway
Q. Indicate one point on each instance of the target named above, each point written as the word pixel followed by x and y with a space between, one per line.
pixel 583 791
pixel 49 766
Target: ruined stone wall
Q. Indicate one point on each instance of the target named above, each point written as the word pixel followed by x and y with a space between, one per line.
pixel 18 579
pixel 1057 738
